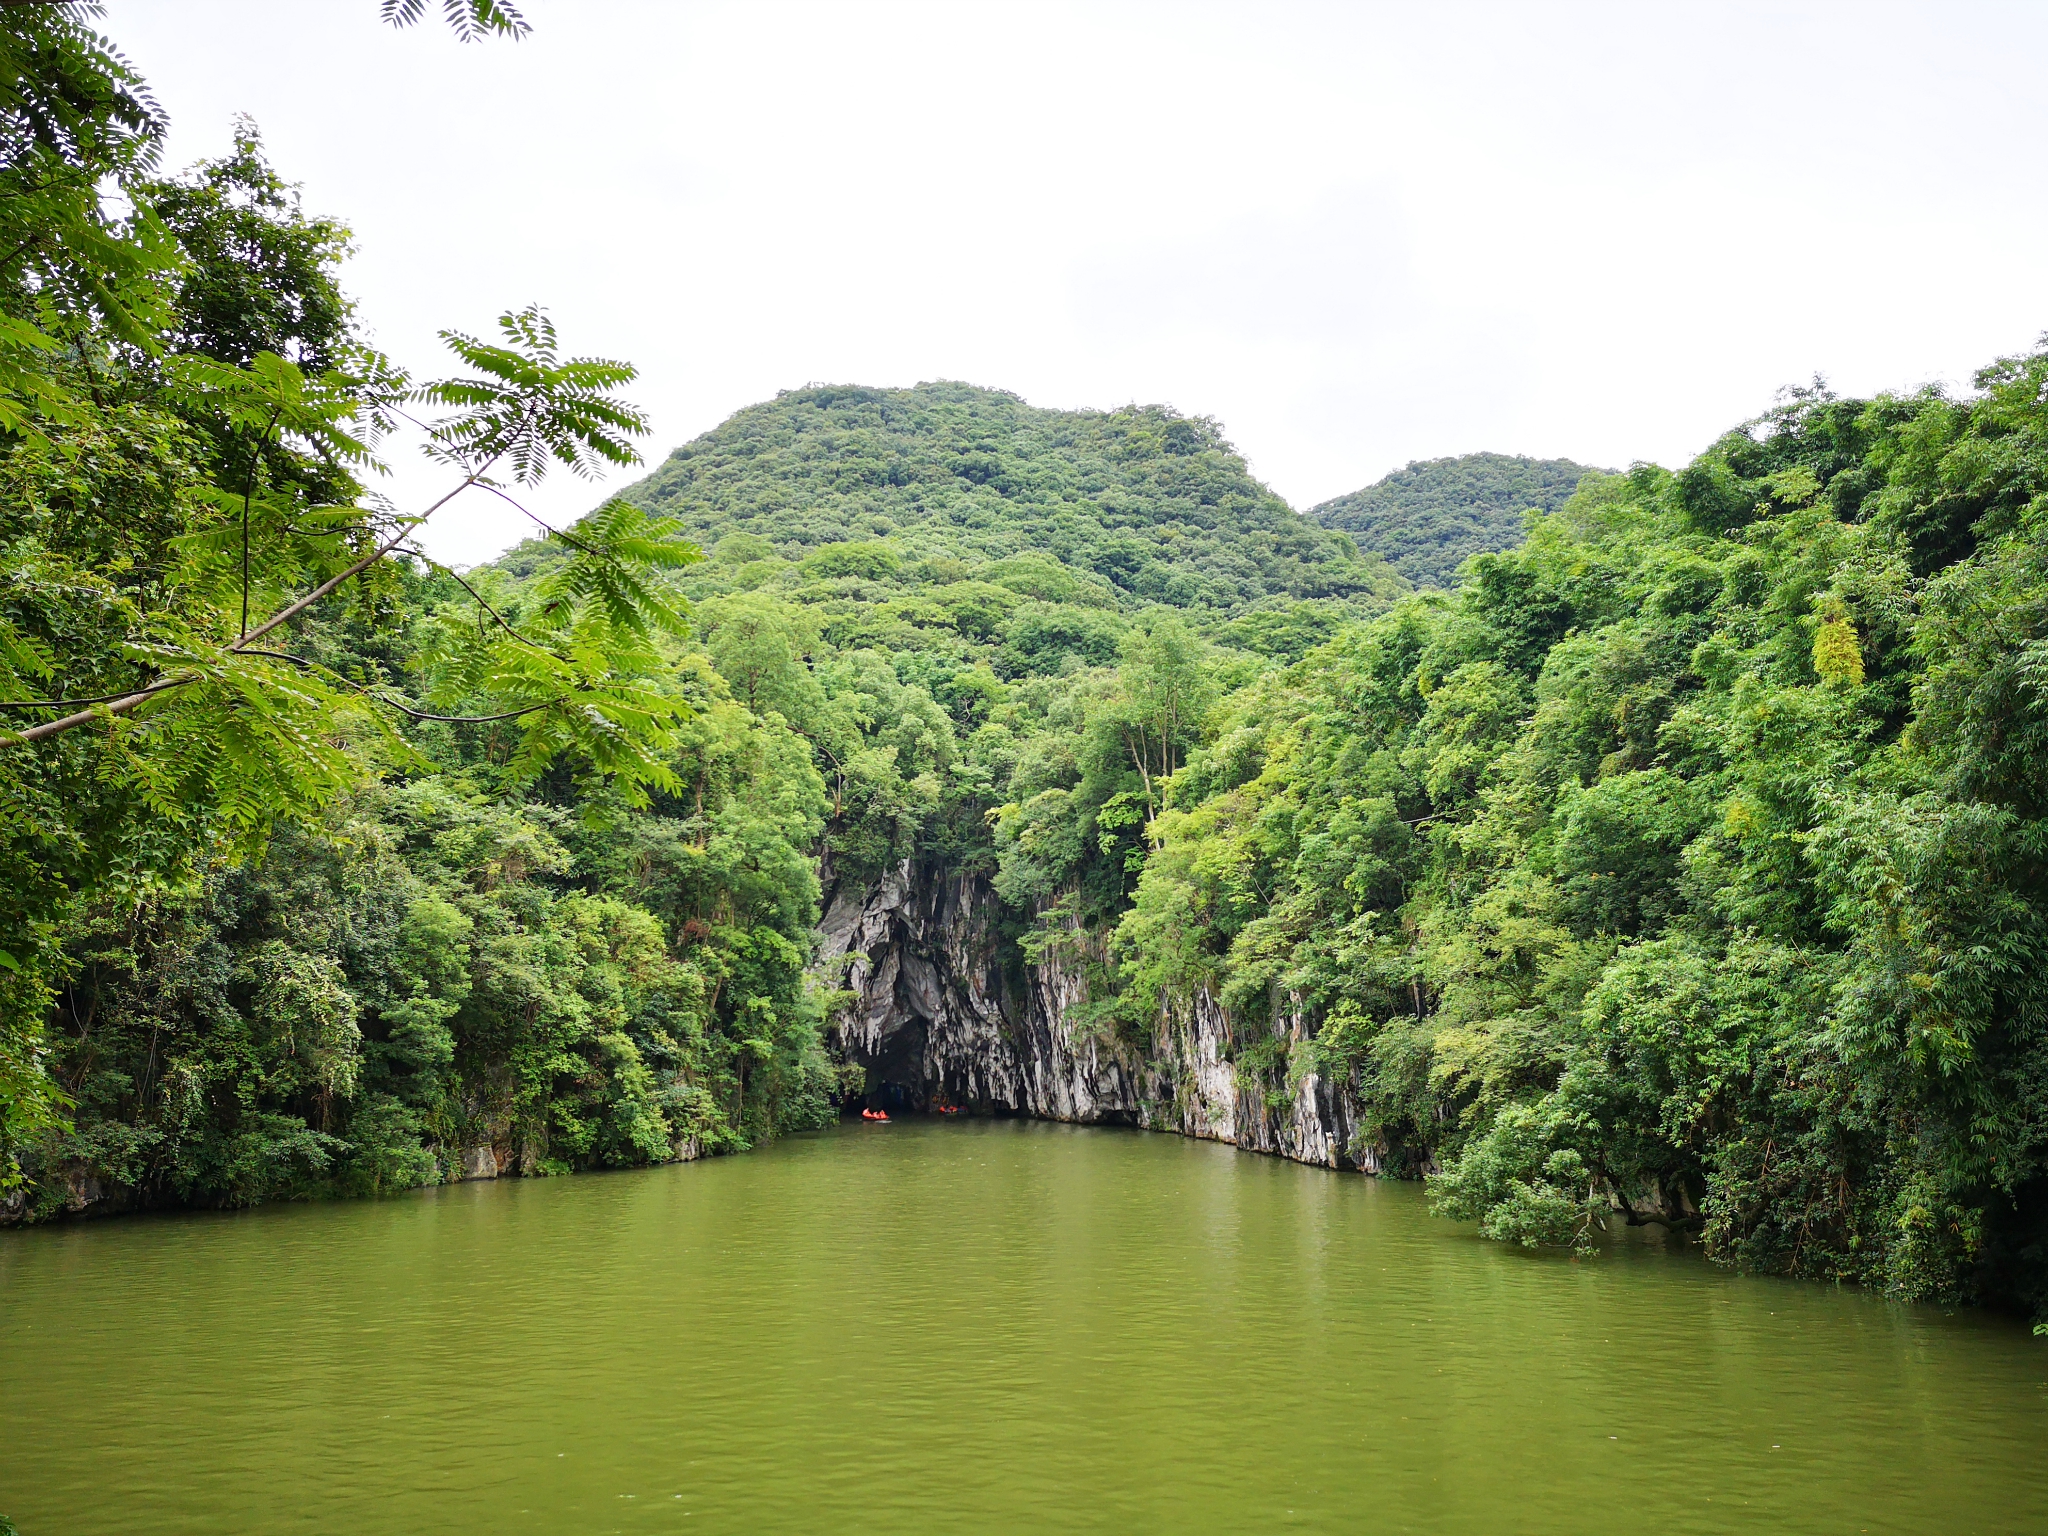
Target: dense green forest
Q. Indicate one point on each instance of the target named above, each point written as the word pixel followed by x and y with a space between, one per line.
pixel 1427 518
pixel 325 865
pixel 1687 858
pixel 1692 853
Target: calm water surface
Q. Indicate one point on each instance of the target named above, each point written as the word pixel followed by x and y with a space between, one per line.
pixel 980 1326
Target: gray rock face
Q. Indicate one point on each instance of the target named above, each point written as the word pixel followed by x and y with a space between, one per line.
pixel 501 1158
pixel 934 1012
pixel 73 1190
pixel 478 1163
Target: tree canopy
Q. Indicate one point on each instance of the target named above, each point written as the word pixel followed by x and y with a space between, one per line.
pixel 188 420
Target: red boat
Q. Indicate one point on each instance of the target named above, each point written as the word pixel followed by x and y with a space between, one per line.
pixel 873 1114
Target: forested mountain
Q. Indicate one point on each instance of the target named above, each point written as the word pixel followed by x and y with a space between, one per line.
pixel 1154 504
pixel 1427 518
pixel 482 962
pixel 1686 861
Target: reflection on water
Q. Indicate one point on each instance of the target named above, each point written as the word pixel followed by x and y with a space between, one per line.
pixel 972 1326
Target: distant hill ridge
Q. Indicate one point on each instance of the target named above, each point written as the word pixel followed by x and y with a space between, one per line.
pixel 1428 518
pixel 1141 503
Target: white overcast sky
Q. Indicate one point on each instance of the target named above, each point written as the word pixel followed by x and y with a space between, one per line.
pixel 1356 234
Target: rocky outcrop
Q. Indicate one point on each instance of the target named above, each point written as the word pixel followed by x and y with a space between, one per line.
pixel 500 1158
pixel 70 1190
pixel 484 1162
pixel 936 1015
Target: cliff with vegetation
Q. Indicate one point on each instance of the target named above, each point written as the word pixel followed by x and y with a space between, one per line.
pixel 1682 865
pixel 936 1015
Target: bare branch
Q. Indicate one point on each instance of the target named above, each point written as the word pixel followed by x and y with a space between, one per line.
pixel 502 622
pixel 105 698
pixel 553 532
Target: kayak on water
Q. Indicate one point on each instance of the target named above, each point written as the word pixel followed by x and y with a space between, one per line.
pixel 873 1114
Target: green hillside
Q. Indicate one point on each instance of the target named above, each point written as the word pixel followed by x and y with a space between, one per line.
pixel 1426 519
pixel 1154 505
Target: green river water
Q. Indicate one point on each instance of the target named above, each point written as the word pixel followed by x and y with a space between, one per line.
pixel 980 1326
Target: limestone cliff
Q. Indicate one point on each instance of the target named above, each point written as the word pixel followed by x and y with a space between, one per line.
pixel 935 1015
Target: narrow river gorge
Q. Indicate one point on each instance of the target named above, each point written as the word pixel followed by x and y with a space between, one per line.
pixel 972 1325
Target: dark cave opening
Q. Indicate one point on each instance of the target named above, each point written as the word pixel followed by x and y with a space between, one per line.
pixel 898 1082
pixel 895 1096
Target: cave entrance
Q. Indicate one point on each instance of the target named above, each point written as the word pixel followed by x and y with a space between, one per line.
pixel 900 1083
pixel 896 1071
